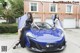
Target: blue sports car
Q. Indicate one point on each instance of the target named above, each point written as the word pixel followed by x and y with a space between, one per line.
pixel 42 37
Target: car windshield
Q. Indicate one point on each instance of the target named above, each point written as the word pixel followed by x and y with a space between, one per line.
pixel 39 25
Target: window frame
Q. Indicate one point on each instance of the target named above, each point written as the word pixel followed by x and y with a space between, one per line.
pixel 55 9
pixel 30 6
pixel 71 8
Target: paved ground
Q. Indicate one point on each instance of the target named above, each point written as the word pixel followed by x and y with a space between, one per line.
pixel 72 37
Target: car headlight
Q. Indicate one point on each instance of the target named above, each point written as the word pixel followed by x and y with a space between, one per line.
pixel 30 34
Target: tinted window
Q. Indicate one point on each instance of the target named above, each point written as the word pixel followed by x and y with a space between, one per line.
pixel 42 26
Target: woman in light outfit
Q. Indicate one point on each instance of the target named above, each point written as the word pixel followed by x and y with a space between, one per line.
pixel 56 21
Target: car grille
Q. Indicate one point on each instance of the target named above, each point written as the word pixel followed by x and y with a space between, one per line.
pixel 40 46
pixel 35 45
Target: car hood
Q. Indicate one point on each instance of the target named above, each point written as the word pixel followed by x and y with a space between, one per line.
pixel 47 35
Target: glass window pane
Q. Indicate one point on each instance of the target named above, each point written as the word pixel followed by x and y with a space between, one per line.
pixel 68 8
pixel 53 8
pixel 33 6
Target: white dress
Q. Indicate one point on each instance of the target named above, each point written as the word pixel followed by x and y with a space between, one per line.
pixel 58 24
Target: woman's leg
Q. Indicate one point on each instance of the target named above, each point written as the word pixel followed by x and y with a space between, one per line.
pixel 19 35
pixel 22 38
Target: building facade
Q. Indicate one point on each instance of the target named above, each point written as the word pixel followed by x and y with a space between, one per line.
pixel 69 12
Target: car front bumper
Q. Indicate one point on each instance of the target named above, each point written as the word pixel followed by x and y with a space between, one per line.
pixel 47 50
pixel 49 47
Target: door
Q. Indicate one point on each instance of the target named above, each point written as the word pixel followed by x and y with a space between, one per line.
pixel 69 23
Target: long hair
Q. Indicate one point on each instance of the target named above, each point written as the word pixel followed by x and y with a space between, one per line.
pixel 56 17
pixel 31 17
